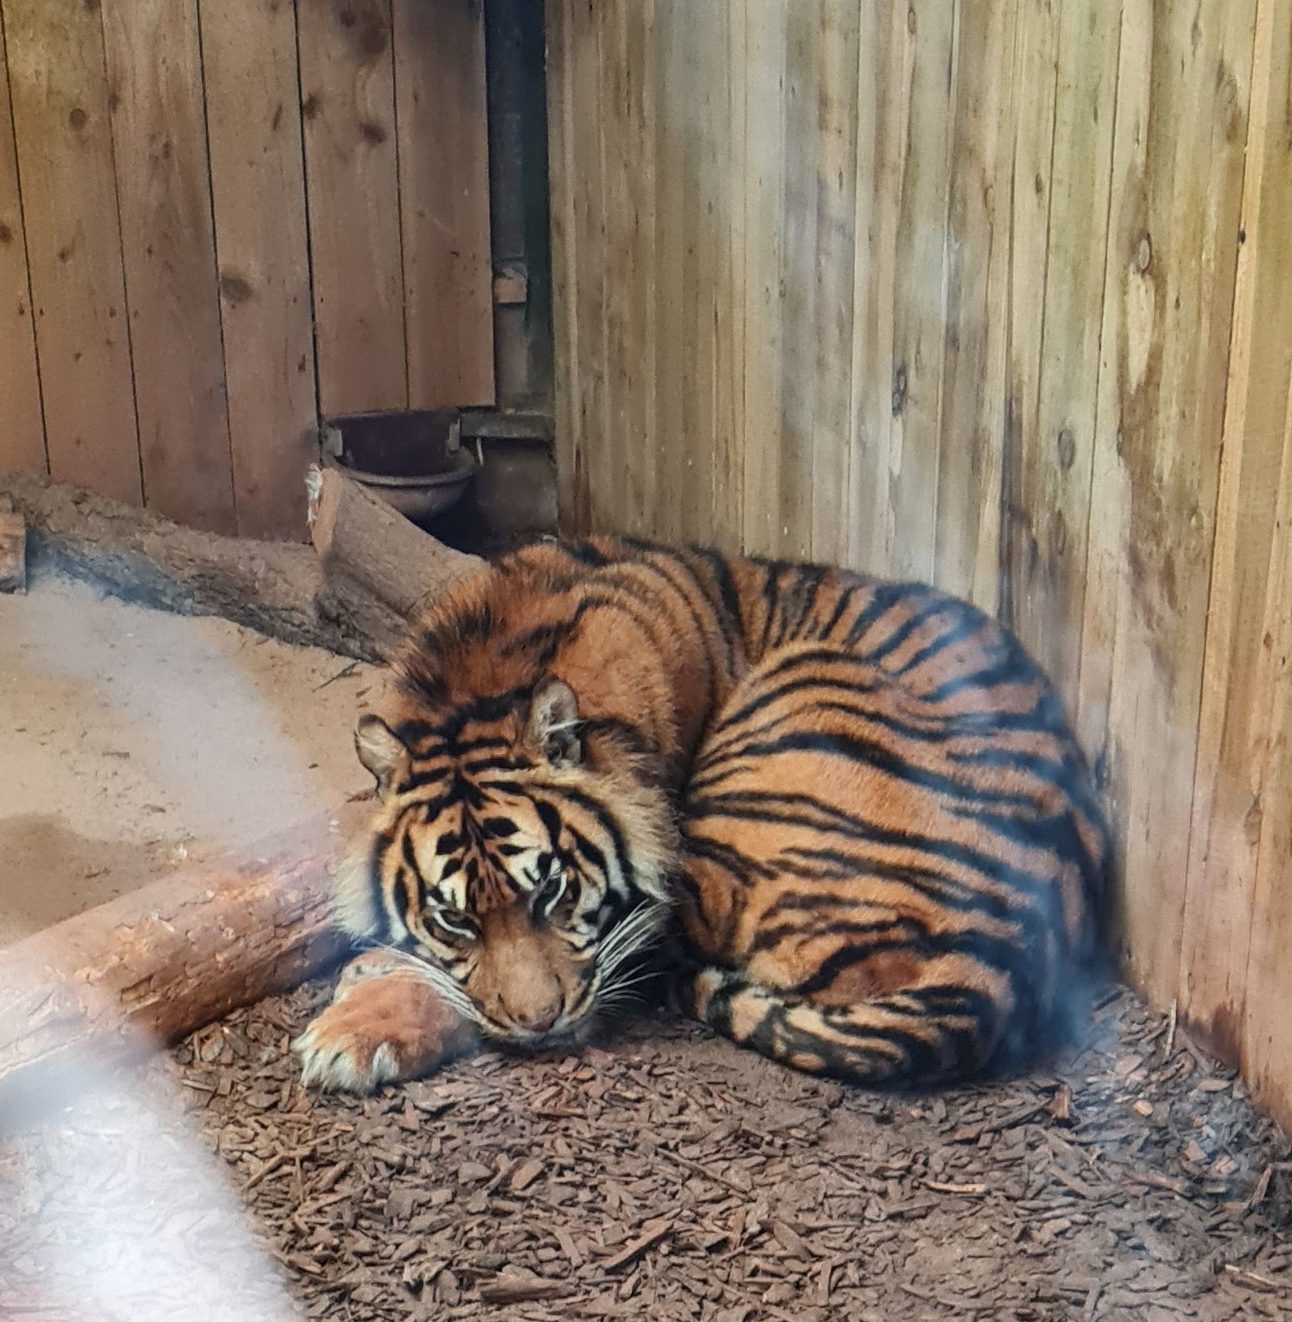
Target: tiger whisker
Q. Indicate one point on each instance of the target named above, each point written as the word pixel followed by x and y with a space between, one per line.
pixel 631 936
pixel 629 984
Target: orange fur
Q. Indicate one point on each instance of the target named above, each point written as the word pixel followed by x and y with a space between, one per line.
pixel 861 801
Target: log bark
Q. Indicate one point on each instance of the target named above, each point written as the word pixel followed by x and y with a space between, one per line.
pixel 378 567
pixel 148 967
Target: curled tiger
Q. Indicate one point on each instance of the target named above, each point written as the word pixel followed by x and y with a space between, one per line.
pixel 847 816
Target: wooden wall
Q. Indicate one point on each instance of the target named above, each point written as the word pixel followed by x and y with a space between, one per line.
pixel 994 293
pixel 219 217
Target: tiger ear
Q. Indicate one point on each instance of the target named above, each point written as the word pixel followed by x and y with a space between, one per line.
pixel 380 750
pixel 552 728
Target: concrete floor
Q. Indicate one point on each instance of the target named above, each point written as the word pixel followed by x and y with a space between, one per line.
pixel 133 742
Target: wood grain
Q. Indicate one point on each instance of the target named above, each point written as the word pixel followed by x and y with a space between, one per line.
pixel 672 232
pixel 883 142
pixel 1264 1050
pixel 614 451
pixel 22 434
pixel 762 161
pixel 258 195
pixel 925 68
pixel 836 246
pixel 444 201
pixel 976 352
pixel 641 443
pixel 1236 826
pixel 572 488
pixel 1036 75
pixel 1050 519
pixel 164 192
pixel 1172 400
pixel 63 136
pixel 792 527
pixel 347 75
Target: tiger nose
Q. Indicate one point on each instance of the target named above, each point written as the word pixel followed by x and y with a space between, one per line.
pixel 536 1018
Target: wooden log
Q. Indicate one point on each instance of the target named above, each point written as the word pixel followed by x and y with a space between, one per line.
pixel 378 567
pixel 13 551
pixel 115 982
pixel 132 553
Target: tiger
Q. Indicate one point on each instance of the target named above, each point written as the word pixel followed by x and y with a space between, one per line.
pixel 847 815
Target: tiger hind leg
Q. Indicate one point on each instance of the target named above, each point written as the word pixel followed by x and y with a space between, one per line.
pixel 927 1033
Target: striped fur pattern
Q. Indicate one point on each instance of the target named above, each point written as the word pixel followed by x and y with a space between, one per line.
pixel 857 802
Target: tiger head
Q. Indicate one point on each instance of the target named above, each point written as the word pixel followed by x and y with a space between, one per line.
pixel 518 855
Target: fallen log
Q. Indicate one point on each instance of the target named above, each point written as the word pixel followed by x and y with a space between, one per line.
pixel 378 567
pixel 285 590
pixel 128 552
pixel 144 969
pixel 13 550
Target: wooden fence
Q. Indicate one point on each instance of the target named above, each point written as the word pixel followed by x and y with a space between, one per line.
pixel 219 217
pixel 994 293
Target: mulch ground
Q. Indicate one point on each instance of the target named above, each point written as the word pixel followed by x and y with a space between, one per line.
pixel 663 1175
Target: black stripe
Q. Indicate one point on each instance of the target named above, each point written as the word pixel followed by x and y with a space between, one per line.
pixel 769 807
pixel 841 605
pixel 884 596
pixel 606 820
pixel 877 757
pixel 882 650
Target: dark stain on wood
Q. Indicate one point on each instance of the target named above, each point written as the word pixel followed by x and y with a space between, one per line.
pixel 367 26
pixel 1067 448
pixel 899 390
pixel 236 289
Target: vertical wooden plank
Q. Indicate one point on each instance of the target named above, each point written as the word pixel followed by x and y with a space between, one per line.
pixel 1126 344
pixel 1172 390
pixel 1049 524
pixel 973 414
pixel 444 201
pixel 729 322
pixel 920 289
pixel 836 186
pixel 642 438
pixel 1036 72
pixel 762 159
pixel 163 186
pixel 797 365
pixel 699 93
pixel 716 496
pixel 671 36
pixel 1266 1051
pixel 880 113
pixel 258 192
pixel 898 282
pixel 347 77
pixel 1234 792
pixel 586 157
pixel 22 429
pixel 573 491
pixel 621 492
pixel 64 146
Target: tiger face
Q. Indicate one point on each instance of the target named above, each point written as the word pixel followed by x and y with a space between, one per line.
pixel 517 858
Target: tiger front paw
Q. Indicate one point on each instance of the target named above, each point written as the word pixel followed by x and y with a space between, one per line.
pixel 379 1029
